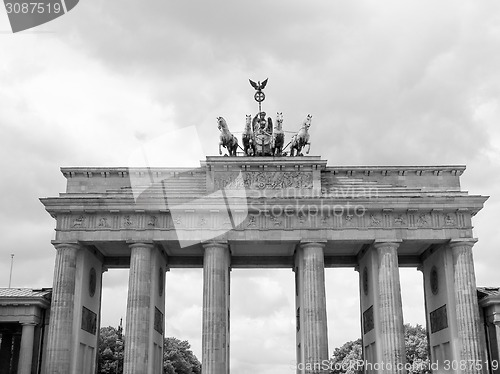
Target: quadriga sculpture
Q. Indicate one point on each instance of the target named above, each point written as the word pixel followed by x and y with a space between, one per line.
pixel 227 140
pixel 301 139
pixel 278 136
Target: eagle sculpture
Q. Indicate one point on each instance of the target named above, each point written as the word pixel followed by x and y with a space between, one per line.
pixel 258 86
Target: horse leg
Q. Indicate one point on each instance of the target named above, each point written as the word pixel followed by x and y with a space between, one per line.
pixel 308 148
pixel 220 150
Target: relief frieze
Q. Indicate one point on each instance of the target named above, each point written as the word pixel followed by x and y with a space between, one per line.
pixel 79 222
pixel 263 180
pixel 438 319
pixel 449 220
pixel 293 219
pixel 375 220
pixel 152 221
pixel 276 221
pixel 423 220
pixel 89 321
pixel 127 221
pixel 103 222
pixel 399 220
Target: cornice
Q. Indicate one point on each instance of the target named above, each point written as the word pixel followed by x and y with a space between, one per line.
pixel 123 171
pixel 103 202
pixel 36 301
pixel 104 172
pixel 398 170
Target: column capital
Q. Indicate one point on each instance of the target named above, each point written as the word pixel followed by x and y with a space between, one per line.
pixel 214 243
pixel 61 244
pixel 140 243
pixel 387 243
pixel 312 243
pixel 31 323
pixel 463 242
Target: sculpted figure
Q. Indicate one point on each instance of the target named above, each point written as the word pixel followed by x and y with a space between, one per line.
pixel 262 131
pixel 301 139
pixel 227 140
pixel 278 136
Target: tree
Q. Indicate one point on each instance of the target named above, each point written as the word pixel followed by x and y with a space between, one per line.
pixel 347 358
pixel 110 351
pixel 177 356
pixel 417 351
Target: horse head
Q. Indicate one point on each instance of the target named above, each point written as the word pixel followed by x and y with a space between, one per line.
pixel 248 122
pixel 221 123
pixel 307 122
pixel 279 120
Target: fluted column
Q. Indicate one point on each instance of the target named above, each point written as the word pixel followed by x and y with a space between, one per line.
pixel 390 308
pixel 59 342
pixel 215 334
pixel 466 304
pixel 138 310
pixel 313 308
pixel 26 352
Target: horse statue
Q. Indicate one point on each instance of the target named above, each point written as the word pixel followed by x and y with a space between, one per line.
pixel 301 139
pixel 227 140
pixel 278 136
pixel 248 138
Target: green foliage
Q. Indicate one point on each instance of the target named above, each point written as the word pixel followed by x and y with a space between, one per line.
pixel 344 358
pixel 177 357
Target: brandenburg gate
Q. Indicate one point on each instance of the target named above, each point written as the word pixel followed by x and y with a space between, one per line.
pixel 255 212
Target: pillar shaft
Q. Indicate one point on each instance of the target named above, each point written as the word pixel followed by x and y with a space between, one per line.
pixel 26 353
pixel 390 308
pixel 313 306
pixel 138 310
pixel 467 309
pixel 59 342
pixel 215 334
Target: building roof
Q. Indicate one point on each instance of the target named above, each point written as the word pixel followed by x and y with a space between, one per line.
pixel 483 292
pixel 25 292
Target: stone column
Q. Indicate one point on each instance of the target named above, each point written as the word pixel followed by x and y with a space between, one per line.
pixel 466 304
pixel 390 308
pixel 313 306
pixel 138 310
pixel 26 353
pixel 59 342
pixel 215 332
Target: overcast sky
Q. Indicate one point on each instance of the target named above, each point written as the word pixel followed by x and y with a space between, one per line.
pixel 387 82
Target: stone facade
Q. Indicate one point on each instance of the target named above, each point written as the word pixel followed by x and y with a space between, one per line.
pixel 296 213
pixel 24 319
